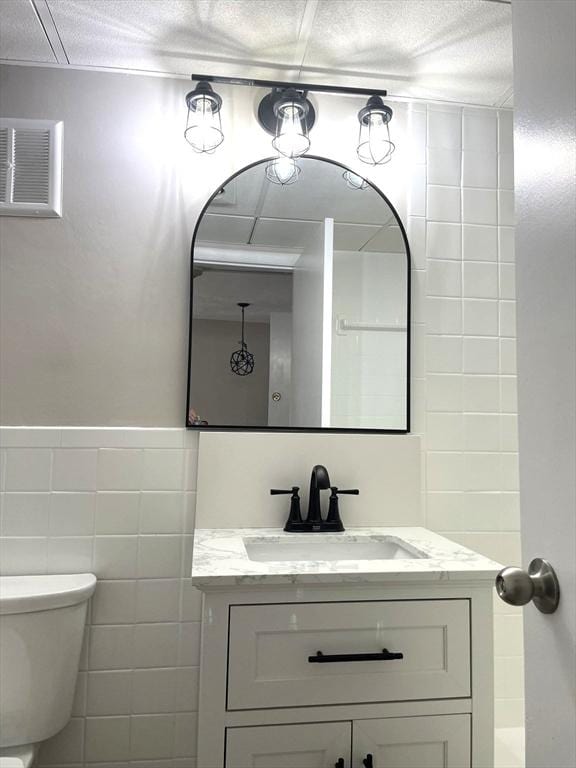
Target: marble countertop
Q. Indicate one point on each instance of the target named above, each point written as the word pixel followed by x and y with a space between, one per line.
pixel 220 559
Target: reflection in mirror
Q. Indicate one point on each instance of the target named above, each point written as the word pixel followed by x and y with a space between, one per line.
pixel 300 305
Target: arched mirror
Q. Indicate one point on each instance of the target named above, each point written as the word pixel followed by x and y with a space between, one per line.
pixel 300 304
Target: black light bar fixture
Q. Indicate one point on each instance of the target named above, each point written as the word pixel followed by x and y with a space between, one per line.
pixel 288 115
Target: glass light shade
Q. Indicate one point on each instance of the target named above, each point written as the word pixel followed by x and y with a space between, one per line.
pixel 282 170
pixel 291 138
pixel 374 144
pixel 203 125
pixel 354 181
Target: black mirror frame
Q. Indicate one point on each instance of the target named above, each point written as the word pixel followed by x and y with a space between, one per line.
pixel 327 430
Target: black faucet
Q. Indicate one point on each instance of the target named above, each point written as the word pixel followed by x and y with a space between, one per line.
pixel 319 481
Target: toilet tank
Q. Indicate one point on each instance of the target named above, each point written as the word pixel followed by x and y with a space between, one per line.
pixel 42 621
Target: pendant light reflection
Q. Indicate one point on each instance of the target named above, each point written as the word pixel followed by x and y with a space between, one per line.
pixel 203 125
pixel 374 144
pixel 242 361
pixel 353 181
pixel 291 111
pixel 282 170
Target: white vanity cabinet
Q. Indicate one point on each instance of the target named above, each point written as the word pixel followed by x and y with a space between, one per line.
pixel 386 664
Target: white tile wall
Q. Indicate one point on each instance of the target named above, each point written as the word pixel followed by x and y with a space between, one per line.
pixel 119 503
pixel 468 383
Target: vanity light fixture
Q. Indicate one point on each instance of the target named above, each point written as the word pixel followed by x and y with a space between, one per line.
pixel 203 125
pixel 354 181
pixel 242 361
pixel 374 144
pixel 289 115
pixel 282 170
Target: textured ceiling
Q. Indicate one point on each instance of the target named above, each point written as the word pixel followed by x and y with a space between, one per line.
pixel 453 50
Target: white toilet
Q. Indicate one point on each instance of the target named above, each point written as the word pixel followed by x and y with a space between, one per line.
pixel 42 622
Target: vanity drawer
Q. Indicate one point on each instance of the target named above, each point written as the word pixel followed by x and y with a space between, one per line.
pixel 270 647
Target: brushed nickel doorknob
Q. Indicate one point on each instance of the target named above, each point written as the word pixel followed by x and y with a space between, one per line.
pixel 540 584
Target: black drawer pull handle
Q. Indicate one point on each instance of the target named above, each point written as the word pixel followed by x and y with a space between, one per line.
pixel 339 763
pixel 368 762
pixel 329 658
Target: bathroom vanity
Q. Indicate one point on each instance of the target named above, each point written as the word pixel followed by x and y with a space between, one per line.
pixel 370 648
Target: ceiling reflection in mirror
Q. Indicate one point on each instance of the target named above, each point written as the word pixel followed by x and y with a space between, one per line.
pixel 300 306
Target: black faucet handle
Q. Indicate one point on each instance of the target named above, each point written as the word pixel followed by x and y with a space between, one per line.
pixel 278 491
pixel 350 491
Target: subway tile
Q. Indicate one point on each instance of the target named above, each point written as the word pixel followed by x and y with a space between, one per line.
pixel 480 280
pixel 152 736
pixel 107 739
pixel 482 472
pixel 157 600
pixel 417 191
pixel 507 281
pixel 482 432
pixel 509 468
pixel 156 645
pixel 480 169
pixel 30 437
pixel 479 130
pixel 115 557
pixel 506 244
pixel 28 469
pixel 109 693
pixel 479 206
pixel 74 469
pixel 189 639
pixel 159 556
pixel 417 239
pixel 120 469
pixel 443 203
pixel 114 602
pixel 479 243
pixel 508 356
pixel 111 647
pixel 417 355
pixel 509 713
pixel 445 511
pixel 154 690
pixel 481 355
pixel 185 737
pixel 444 471
pixel 510 514
pixel 117 512
pixel 505 131
pixel 481 394
pixel 506 170
pixel 70 554
pixel 480 317
pixel 444 392
pixel 509 677
pixel 508 636
pixel 189 512
pixel 187 548
pixel 72 514
pixel 507 318
pixel 187 687
pixel 417 131
pixel 25 514
pixel 19 556
pixel 444 315
pixel 79 703
pixel 444 354
pixel 482 510
pixel 191 439
pixel 444 167
pixel 508 394
pixel 509 432
pixel 191 608
pixel 445 129
pixel 66 747
pixel 443 240
pixel 163 470
pixel 444 432
pixel 123 437
pixel 3 453
pixel 161 512
pixel 506 215
pixel 444 278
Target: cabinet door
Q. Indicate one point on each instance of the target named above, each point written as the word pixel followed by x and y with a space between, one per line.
pixel 319 745
pixel 441 741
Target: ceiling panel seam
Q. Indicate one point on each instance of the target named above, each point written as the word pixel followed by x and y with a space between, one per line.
pixel 46 20
pixel 304 33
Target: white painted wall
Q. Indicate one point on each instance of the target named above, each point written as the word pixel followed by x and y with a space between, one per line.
pixel 312 330
pixel 545 145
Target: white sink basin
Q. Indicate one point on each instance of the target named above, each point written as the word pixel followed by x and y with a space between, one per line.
pixel 317 547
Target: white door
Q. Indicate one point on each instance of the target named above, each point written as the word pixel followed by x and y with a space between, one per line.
pixel 441 741
pixel 544 35
pixel 318 745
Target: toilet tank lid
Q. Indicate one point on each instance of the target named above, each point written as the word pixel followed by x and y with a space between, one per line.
pixel 24 594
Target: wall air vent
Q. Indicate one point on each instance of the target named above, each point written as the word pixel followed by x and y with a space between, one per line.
pixel 30 167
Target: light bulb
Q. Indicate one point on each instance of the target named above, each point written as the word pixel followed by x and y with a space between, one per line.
pixel 291 139
pixel 282 170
